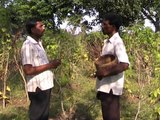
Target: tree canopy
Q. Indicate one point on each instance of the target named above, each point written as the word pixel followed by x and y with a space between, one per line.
pixel 130 10
pixel 53 12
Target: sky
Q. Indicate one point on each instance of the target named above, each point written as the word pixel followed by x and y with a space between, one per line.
pixel 78 29
pixel 149 24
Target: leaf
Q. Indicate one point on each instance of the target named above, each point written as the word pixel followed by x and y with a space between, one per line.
pixel 4 97
pixel 129 90
pixel 3 29
pixel 155 94
pixel 157 109
pixel 8 88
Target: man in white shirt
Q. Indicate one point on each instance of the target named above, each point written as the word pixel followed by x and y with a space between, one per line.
pixel 110 87
pixel 37 70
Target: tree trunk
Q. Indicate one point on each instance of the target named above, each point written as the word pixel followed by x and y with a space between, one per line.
pixel 22 75
pixel 4 81
pixel 157 26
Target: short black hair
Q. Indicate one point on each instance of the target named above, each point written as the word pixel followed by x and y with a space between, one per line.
pixel 114 19
pixel 31 23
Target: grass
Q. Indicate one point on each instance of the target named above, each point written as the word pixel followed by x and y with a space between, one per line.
pixel 78 97
pixel 79 100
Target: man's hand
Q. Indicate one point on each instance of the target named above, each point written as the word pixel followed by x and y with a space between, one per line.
pixel 55 63
pixel 112 70
pixel 33 70
pixel 100 73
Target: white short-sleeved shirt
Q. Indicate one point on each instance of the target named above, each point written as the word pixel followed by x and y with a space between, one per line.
pixel 32 52
pixel 114 46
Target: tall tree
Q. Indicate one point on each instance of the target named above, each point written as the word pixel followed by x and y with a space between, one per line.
pixel 53 12
pixel 130 10
pixel 151 10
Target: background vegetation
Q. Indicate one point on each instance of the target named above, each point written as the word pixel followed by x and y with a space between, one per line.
pixel 74 96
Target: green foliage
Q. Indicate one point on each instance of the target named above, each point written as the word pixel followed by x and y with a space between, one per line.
pixel 74 73
pixel 75 87
pixel 142 79
pixel 5 42
pixel 15 13
pixel 130 10
pixel 4 18
pixel 52 12
pixel 141 45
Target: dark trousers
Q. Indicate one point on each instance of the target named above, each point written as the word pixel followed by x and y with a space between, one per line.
pixel 110 105
pixel 39 104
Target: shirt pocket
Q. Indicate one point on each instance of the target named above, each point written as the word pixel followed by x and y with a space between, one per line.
pixel 40 57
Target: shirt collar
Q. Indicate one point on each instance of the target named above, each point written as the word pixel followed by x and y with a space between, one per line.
pixel 113 37
pixel 32 40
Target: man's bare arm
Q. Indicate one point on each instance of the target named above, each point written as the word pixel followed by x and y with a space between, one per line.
pixel 31 70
